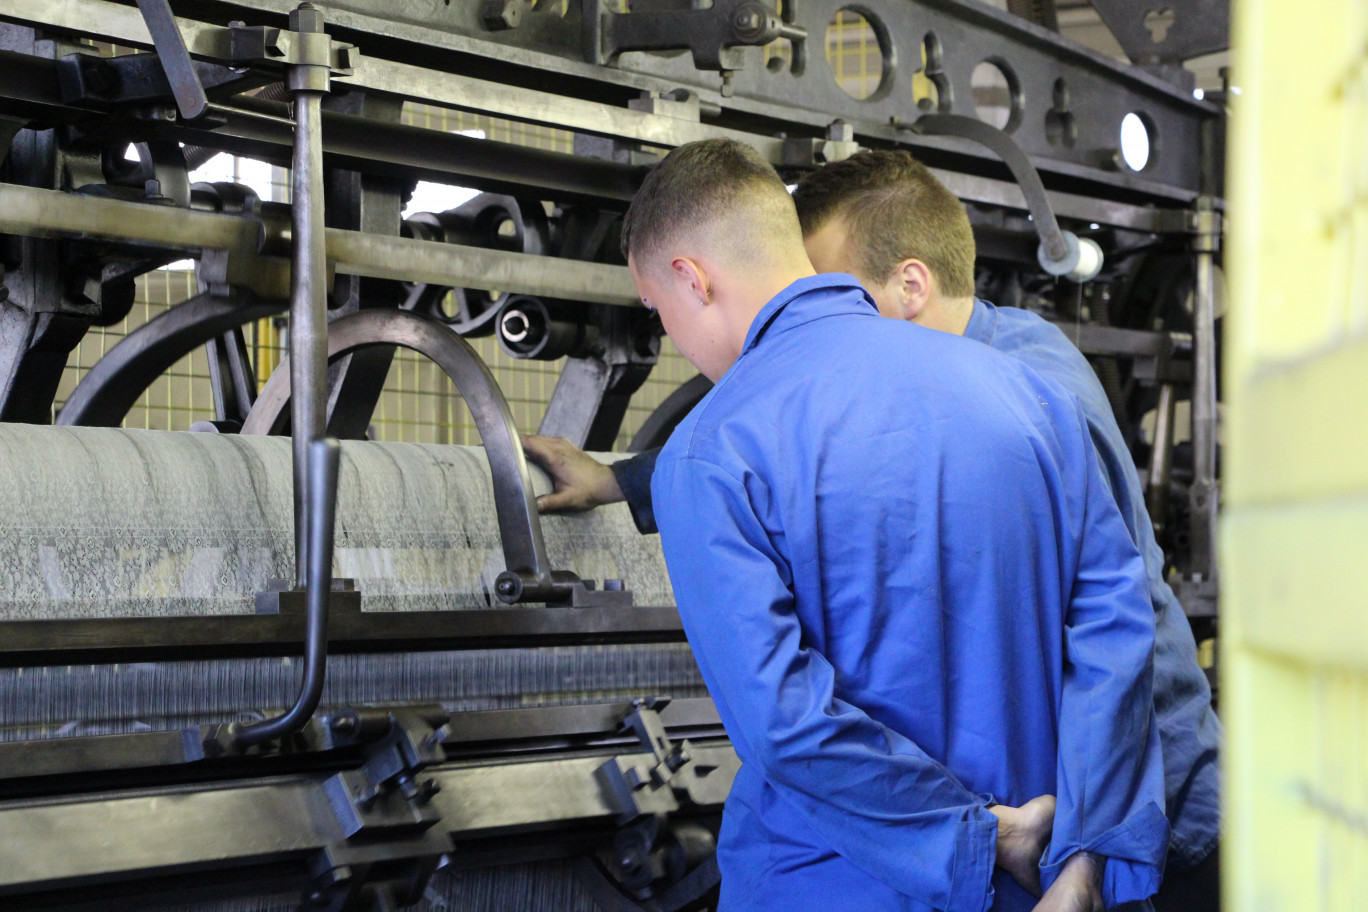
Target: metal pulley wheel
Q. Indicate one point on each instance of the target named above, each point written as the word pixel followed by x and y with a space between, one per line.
pixel 489 220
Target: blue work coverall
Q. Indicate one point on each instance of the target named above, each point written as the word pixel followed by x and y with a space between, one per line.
pixel 910 594
pixel 1189 730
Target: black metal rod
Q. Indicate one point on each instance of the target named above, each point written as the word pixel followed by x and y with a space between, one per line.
pixel 324 457
pixel 1012 155
pixel 308 308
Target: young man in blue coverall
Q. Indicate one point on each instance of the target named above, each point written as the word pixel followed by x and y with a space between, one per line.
pixel 884 217
pixel 907 586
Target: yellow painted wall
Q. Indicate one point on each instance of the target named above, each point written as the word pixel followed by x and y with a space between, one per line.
pixel 1295 526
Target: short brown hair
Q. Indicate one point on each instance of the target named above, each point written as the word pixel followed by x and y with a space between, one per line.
pixel 701 184
pixel 895 209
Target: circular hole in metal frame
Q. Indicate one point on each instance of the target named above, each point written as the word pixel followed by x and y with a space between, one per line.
pixel 1139 142
pixel 996 93
pixel 859 53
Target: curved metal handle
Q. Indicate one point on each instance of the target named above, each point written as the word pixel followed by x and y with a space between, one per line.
pixel 1061 252
pixel 529 577
pixel 324 457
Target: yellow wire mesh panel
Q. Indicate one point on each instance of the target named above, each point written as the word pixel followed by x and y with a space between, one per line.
pixel 854 54
pixel 1295 638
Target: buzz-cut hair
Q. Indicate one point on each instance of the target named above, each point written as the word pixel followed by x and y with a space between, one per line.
pixel 718 189
pixel 894 209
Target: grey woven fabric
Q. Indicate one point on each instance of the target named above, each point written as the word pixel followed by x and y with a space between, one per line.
pixel 99 522
pixel 111 699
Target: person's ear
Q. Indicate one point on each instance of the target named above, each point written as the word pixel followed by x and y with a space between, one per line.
pixel 693 278
pixel 915 287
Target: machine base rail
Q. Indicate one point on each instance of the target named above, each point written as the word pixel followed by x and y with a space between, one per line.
pixel 376 804
pixel 80 641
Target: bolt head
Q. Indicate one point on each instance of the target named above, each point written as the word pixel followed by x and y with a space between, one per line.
pixel 748 20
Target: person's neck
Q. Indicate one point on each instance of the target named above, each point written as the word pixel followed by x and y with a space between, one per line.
pixel 754 291
pixel 949 314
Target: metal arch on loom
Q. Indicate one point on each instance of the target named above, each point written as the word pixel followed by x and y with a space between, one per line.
pixel 529 576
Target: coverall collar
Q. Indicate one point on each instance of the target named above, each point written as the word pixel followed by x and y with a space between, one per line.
pixel 982 325
pixel 779 313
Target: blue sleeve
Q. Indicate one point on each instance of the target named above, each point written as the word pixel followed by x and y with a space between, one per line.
pixel 634 479
pixel 1110 775
pixel 870 793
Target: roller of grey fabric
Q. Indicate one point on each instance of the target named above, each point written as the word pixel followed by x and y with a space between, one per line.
pixel 122 523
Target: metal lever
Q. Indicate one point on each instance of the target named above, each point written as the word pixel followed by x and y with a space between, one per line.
pixel 307 81
pixel 324 457
pixel 191 100
pixel 315 457
pixel 1061 253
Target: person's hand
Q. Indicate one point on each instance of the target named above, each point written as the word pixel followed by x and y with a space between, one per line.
pixel 1022 836
pixel 582 482
pixel 1079 887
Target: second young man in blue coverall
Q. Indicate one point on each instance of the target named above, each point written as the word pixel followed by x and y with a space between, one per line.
pixel 884 217
pixel 907 587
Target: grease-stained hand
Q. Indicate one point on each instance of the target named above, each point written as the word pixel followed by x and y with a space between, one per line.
pixel 582 482
pixel 1078 888
pixel 1023 833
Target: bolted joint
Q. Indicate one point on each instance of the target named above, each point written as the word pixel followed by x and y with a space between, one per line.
pixel 752 23
pixel 501 15
pixel 508 587
pixel 748 21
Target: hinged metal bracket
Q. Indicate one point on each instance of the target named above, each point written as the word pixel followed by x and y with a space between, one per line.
pixel 660 781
